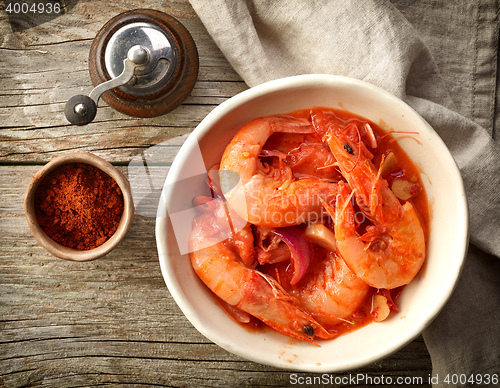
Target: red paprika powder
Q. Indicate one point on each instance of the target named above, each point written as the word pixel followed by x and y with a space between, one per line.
pixel 79 206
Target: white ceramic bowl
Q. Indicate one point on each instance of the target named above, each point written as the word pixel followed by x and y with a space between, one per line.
pixel 419 302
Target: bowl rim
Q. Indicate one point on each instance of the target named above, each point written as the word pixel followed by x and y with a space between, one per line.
pixel 57 249
pixel 205 126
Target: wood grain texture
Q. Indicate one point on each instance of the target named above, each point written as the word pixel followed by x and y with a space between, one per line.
pixel 111 321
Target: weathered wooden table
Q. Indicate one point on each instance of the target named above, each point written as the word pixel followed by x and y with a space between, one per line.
pixel 112 320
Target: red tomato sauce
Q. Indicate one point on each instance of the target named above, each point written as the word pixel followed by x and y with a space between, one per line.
pixel 307 155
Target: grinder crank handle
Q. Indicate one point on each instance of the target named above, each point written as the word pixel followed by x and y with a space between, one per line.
pixel 81 109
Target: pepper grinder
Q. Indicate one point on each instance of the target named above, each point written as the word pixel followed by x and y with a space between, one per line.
pixel 143 63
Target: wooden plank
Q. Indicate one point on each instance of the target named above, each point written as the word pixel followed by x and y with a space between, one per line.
pixel 112 320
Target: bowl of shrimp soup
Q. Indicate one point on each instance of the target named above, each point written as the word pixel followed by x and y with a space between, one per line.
pixel 418 302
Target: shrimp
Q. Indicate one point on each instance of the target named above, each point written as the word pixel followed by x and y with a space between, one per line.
pixel 332 293
pixel 266 195
pixel 392 250
pixel 220 267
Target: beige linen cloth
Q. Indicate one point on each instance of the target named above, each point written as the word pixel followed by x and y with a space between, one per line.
pixel 440 57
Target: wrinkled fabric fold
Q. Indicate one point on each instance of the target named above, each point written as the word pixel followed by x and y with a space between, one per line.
pixel 440 58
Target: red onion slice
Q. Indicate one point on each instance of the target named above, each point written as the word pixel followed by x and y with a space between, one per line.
pixel 299 247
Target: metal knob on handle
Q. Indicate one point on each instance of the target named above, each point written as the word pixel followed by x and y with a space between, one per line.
pixel 80 110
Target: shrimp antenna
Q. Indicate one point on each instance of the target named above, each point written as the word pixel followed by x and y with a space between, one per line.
pixel 348 200
pixel 345 320
pixel 379 172
pixel 359 150
pixel 230 221
pixel 406 134
pixel 402 136
pixel 328 166
pixel 278 290
pixel 329 209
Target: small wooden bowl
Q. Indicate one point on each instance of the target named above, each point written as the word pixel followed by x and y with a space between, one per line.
pixel 57 249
